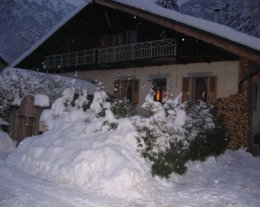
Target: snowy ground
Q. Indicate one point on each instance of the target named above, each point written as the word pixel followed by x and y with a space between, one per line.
pixel 81 161
pixel 231 180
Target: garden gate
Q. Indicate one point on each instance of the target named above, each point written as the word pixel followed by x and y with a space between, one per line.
pixel 24 120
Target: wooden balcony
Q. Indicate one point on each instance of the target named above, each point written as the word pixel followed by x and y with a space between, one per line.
pixel 122 53
pixel 72 59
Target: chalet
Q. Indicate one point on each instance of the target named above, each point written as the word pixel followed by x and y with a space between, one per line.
pixel 132 48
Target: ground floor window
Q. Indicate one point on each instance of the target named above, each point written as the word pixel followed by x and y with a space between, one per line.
pixel 198 87
pixel 127 89
pixel 159 87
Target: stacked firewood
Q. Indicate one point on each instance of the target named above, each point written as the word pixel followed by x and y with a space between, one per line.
pixel 235 113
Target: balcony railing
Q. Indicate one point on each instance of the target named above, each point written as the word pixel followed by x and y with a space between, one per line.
pixel 137 51
pixel 78 58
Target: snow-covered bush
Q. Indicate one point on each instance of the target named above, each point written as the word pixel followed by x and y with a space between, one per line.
pixel 122 108
pixel 14 86
pixel 175 133
pixel 205 132
pixel 161 139
pixel 102 108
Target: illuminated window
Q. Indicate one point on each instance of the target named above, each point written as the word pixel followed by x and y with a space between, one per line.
pixel 159 87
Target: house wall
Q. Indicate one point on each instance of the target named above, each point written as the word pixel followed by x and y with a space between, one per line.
pixel 256 110
pixel 227 77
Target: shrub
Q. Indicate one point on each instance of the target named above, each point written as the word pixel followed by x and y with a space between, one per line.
pixel 207 133
pixel 170 137
pixel 159 140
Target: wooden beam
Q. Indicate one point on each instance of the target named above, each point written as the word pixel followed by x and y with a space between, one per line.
pixel 233 47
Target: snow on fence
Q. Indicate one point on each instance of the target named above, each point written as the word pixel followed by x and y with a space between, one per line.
pixel 24 119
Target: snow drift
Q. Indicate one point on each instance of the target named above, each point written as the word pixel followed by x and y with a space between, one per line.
pixel 80 149
pixel 86 152
pixel 7 145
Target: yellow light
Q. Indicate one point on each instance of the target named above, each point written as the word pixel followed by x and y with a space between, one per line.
pixel 158 95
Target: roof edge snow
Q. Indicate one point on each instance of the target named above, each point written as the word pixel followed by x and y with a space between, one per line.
pixel 51 32
pixel 238 43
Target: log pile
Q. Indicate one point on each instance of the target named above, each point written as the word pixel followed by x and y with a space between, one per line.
pixel 235 113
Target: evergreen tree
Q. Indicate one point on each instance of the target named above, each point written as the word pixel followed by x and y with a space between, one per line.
pixel 205 132
pixel 169 4
pixel 159 140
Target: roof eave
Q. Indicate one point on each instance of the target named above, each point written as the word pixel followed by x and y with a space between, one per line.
pixel 231 46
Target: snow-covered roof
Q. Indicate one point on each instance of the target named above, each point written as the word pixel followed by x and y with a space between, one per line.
pixel 79 6
pixel 148 6
pixel 3 61
pixel 77 83
pixel 207 26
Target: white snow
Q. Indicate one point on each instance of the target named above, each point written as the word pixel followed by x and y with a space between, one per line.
pixel 80 4
pixel 82 161
pixel 150 6
pixel 7 145
pixel 41 100
pixel 3 122
pixel 208 26
pixel 77 83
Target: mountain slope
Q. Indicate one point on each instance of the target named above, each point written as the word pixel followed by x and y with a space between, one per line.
pixel 24 22
pixel 239 14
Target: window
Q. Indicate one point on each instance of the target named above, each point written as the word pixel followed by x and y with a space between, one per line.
pixel 118 39
pixel 128 37
pixel 159 87
pixel 131 37
pixel 127 89
pixel 199 88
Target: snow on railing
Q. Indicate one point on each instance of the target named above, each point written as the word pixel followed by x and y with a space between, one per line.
pixel 136 51
pixel 83 57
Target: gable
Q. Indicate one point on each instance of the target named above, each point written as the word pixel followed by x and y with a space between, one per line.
pixel 221 36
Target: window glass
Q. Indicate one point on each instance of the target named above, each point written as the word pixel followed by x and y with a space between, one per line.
pixel 159 87
pixel 127 89
pixel 132 36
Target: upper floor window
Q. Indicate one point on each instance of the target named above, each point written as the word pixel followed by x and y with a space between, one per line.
pixel 131 37
pixel 127 37
pixel 118 39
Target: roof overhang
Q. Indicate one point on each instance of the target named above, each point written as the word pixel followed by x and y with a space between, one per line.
pixel 3 61
pixel 231 46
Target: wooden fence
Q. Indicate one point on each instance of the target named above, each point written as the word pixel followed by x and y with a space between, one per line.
pixel 24 120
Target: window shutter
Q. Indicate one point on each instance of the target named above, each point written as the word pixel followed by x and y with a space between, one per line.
pixel 212 95
pixel 135 93
pixel 185 89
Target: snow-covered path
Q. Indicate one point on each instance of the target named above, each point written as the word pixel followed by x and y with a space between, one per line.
pixel 20 189
pixel 233 180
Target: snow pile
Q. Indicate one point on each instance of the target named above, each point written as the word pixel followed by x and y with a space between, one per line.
pixel 7 145
pixel 82 149
pixel 41 100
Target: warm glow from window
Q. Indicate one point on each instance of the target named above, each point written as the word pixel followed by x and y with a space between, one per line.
pixel 158 95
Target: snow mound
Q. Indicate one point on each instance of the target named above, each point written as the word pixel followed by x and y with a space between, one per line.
pixel 79 149
pixel 41 100
pixel 7 145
